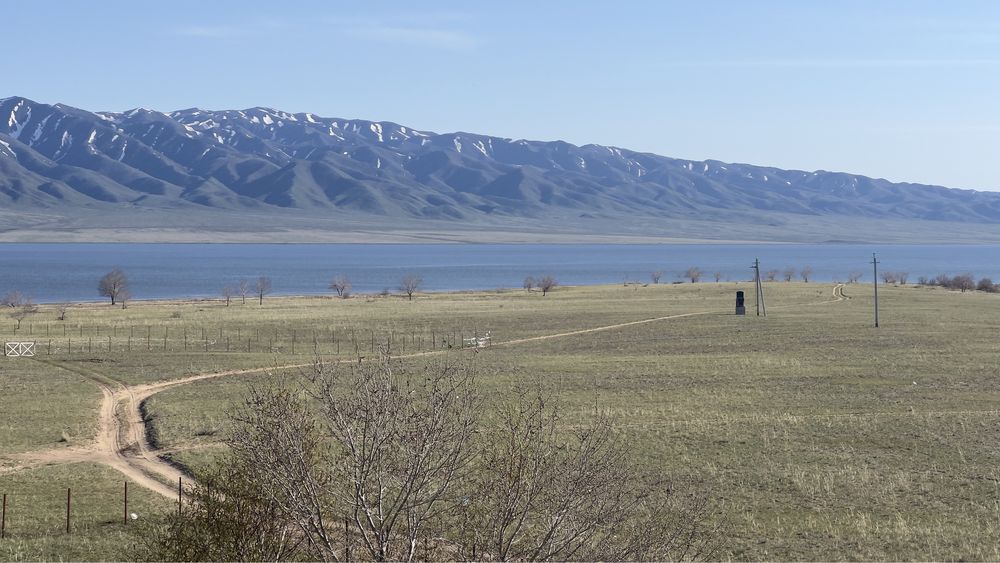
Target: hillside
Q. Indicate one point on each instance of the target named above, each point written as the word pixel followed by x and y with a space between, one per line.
pixel 263 174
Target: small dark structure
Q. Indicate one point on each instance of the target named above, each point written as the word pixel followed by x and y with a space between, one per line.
pixel 740 309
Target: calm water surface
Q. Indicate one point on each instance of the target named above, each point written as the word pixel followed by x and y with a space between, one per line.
pixel 69 272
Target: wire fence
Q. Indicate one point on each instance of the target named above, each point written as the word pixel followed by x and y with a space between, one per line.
pixel 57 340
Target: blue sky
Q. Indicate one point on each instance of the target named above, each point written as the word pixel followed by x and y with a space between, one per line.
pixel 908 91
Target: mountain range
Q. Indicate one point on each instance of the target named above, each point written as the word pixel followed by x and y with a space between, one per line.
pixel 265 174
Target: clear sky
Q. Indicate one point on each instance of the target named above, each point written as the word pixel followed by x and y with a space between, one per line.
pixel 909 91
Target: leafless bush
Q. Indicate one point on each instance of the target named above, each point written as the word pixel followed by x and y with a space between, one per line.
pixel 771 275
pixel 889 277
pixel 853 277
pixel 903 276
pixel 412 464
pixel 656 276
pixel 717 276
pixel 227 293
pixel 788 274
pixel 986 284
pixel 61 311
pixel 963 282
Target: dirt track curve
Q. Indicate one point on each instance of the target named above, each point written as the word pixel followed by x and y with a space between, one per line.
pixel 121 438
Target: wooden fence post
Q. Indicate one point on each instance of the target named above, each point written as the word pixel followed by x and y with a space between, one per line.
pixel 69 496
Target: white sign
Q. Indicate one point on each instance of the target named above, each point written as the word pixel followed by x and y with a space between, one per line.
pixel 19 349
pixel 481 342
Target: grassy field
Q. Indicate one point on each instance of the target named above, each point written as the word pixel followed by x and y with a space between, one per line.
pixel 36 513
pixel 818 436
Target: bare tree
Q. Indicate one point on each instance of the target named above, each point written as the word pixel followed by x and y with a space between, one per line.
pixel 693 273
pixel 263 287
pixel 20 305
pixel 113 285
pixel 853 277
pixel 227 293
pixel 61 311
pixel 13 299
pixel 788 274
pixel 806 273
pixel 243 288
pixel 547 284
pixel 413 462
pixel 545 493
pixel 987 285
pixel 903 276
pixel 717 276
pixel 963 282
pixel 771 275
pixel 342 285
pixel 409 285
pixel 888 277
pixel 529 283
pixel 124 296
pixel 224 519
pixel 656 276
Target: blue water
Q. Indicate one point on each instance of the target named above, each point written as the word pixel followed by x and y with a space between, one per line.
pixel 69 272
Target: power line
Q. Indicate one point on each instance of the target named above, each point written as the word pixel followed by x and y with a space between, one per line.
pixel 758 288
pixel 875 273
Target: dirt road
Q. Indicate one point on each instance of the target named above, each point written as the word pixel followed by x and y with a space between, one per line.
pixel 121 441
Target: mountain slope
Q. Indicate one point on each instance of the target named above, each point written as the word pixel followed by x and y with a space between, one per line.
pixel 63 160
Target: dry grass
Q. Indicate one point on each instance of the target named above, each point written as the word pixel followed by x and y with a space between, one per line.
pixel 820 436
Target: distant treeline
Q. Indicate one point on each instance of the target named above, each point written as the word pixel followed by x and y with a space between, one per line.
pixel 961 282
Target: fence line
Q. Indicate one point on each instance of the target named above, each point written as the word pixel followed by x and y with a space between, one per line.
pixel 329 341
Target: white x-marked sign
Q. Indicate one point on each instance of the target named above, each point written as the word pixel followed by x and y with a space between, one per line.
pixel 19 349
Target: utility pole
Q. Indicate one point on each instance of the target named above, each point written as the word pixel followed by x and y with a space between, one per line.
pixel 875 273
pixel 758 288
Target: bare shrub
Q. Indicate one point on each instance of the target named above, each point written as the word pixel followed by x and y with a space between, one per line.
pixel 986 284
pixel 853 277
pixel 717 276
pixel 409 462
pixel 655 276
pixel 771 275
pixel 963 282
pixel 788 274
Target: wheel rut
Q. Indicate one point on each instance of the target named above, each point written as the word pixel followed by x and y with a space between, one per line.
pixel 121 441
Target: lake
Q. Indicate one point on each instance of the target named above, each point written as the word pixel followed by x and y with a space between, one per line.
pixel 69 272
